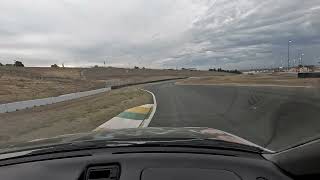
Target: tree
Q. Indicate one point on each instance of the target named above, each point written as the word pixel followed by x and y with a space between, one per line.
pixel 136 67
pixel 18 64
pixel 54 66
pixel 1 64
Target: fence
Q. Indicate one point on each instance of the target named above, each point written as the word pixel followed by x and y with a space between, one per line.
pixel 14 106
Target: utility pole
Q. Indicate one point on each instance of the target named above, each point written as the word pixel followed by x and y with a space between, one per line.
pixel 289 54
pixel 301 56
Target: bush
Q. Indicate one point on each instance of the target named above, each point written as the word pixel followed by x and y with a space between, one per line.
pixel 54 66
pixel 18 64
pixel 228 71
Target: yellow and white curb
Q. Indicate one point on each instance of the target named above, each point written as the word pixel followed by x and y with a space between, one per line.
pixel 147 121
pixel 136 117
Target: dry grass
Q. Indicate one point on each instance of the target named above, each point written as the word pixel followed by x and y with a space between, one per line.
pixel 257 79
pixel 81 115
pixel 121 73
pixel 17 84
pixel 17 89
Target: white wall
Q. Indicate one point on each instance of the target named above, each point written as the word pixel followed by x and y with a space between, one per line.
pixel 14 106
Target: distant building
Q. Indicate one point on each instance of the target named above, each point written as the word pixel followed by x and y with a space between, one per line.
pixel 308 68
pixel 191 69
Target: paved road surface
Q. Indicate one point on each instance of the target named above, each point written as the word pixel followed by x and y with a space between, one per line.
pixel 269 116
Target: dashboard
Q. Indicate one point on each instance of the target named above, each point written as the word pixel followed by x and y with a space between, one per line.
pixel 143 163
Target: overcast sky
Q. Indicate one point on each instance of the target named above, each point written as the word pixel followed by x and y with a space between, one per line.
pixel 159 33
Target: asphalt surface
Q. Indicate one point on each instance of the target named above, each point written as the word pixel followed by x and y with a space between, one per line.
pixel 273 117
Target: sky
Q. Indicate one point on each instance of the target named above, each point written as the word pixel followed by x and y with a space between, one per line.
pixel 231 34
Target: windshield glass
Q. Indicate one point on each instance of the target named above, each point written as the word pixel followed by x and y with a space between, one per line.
pixel 239 71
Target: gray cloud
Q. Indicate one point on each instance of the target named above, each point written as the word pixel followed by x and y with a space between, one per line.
pixel 166 33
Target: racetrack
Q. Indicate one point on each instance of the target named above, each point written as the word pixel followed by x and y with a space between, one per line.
pixel 273 117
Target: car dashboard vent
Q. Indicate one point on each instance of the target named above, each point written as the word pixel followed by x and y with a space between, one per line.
pixel 103 173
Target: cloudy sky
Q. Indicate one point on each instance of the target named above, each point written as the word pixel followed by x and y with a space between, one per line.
pixel 159 33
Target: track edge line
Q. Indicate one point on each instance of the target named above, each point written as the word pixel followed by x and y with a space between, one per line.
pixel 146 122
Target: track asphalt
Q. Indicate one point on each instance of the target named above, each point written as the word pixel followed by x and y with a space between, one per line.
pixel 273 117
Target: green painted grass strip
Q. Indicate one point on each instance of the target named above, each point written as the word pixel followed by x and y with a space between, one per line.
pixel 133 116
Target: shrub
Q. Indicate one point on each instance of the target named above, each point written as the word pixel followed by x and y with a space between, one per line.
pixel 18 64
pixel 54 66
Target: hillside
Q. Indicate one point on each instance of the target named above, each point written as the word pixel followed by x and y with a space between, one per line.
pixel 26 83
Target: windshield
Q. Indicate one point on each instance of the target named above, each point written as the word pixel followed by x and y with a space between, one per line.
pixel 240 71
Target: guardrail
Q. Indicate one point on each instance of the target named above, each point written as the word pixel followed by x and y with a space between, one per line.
pixel 138 83
pixel 20 105
pixel 14 106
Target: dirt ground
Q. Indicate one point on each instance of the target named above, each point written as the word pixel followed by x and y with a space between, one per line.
pixel 81 115
pixel 275 79
pixel 17 84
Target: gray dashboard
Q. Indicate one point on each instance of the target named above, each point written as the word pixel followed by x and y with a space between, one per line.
pixel 143 164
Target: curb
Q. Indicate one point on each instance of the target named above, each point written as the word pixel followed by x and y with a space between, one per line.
pixel 130 118
pixel 137 117
pixel 146 122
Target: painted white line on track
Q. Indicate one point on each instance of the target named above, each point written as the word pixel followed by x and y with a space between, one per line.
pixel 146 122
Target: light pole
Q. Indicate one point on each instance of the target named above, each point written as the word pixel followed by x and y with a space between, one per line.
pixel 289 54
pixel 301 55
